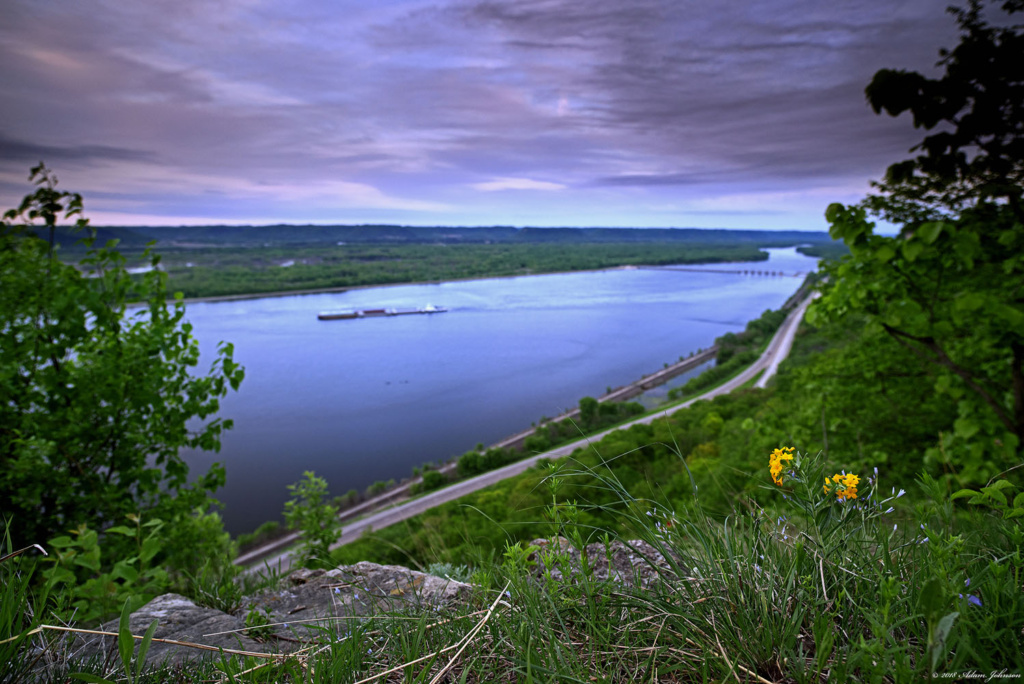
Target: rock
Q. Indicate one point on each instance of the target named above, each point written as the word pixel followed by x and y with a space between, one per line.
pixel 634 562
pixel 179 619
pixel 304 603
pixel 309 600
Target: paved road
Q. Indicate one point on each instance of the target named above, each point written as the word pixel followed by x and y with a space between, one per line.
pixel 776 351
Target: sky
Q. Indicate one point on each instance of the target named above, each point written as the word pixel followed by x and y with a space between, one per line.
pixel 627 113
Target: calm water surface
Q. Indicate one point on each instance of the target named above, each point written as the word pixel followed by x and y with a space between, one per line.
pixel 363 400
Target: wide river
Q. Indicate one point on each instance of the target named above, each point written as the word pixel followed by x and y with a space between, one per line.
pixel 363 400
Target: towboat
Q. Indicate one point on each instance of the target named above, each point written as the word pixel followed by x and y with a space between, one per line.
pixel 373 313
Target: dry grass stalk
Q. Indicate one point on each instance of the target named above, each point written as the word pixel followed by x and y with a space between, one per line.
pixel 466 639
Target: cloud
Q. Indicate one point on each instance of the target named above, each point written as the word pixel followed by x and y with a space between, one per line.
pixel 21 151
pixel 517 184
pixel 405 105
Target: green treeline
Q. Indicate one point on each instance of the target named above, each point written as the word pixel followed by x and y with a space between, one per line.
pixel 188 237
pixel 719 446
pixel 593 416
pixel 735 352
pixel 211 272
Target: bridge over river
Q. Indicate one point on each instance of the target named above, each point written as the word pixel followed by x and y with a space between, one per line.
pixel 733 271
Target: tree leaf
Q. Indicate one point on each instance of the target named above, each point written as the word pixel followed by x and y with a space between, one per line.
pixel 911 250
pixel 929 232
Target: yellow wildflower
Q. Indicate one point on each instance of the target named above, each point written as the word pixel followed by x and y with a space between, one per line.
pixel 845 485
pixel 775 462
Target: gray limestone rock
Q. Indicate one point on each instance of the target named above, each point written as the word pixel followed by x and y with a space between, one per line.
pixel 305 603
pixel 178 619
pixel 313 600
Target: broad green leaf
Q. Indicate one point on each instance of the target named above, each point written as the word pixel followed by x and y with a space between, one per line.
pixel 911 250
pixel 144 648
pixel 150 547
pixel 123 570
pixel 885 253
pixel 963 494
pixel 931 600
pixel 969 301
pixel 1018 501
pixel 125 641
pixel 929 232
pixel 994 493
pixel 121 529
pixel 938 645
pixel 965 428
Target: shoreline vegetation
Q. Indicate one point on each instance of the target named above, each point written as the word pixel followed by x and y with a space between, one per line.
pixel 732 353
pixel 209 263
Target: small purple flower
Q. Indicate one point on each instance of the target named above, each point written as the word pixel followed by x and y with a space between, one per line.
pixel 973 600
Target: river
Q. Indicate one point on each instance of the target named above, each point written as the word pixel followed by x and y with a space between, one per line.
pixel 363 400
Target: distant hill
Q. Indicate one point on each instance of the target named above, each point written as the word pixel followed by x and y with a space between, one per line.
pixel 281 235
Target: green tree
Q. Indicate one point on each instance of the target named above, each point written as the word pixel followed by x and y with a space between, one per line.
pixel 311 512
pixel 977 111
pixel 96 398
pixel 949 288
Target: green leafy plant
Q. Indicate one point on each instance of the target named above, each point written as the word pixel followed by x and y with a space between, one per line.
pixel 258 623
pixel 96 399
pixel 310 512
pixel 95 583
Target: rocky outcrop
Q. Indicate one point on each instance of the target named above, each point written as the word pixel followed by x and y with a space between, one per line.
pixel 308 602
pixel 305 601
pixel 634 562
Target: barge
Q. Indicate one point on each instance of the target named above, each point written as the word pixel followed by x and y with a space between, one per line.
pixel 374 313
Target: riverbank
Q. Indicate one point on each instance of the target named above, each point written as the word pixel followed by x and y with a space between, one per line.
pixel 271 271
pixel 404 491
pixel 360 403
pixel 394 511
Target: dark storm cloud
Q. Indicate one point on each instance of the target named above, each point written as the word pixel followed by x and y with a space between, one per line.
pixel 771 86
pixel 24 151
pixel 417 105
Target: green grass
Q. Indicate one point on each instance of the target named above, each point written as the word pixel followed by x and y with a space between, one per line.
pixel 826 591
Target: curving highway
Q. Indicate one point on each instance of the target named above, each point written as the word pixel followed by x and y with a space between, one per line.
pixel 777 350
